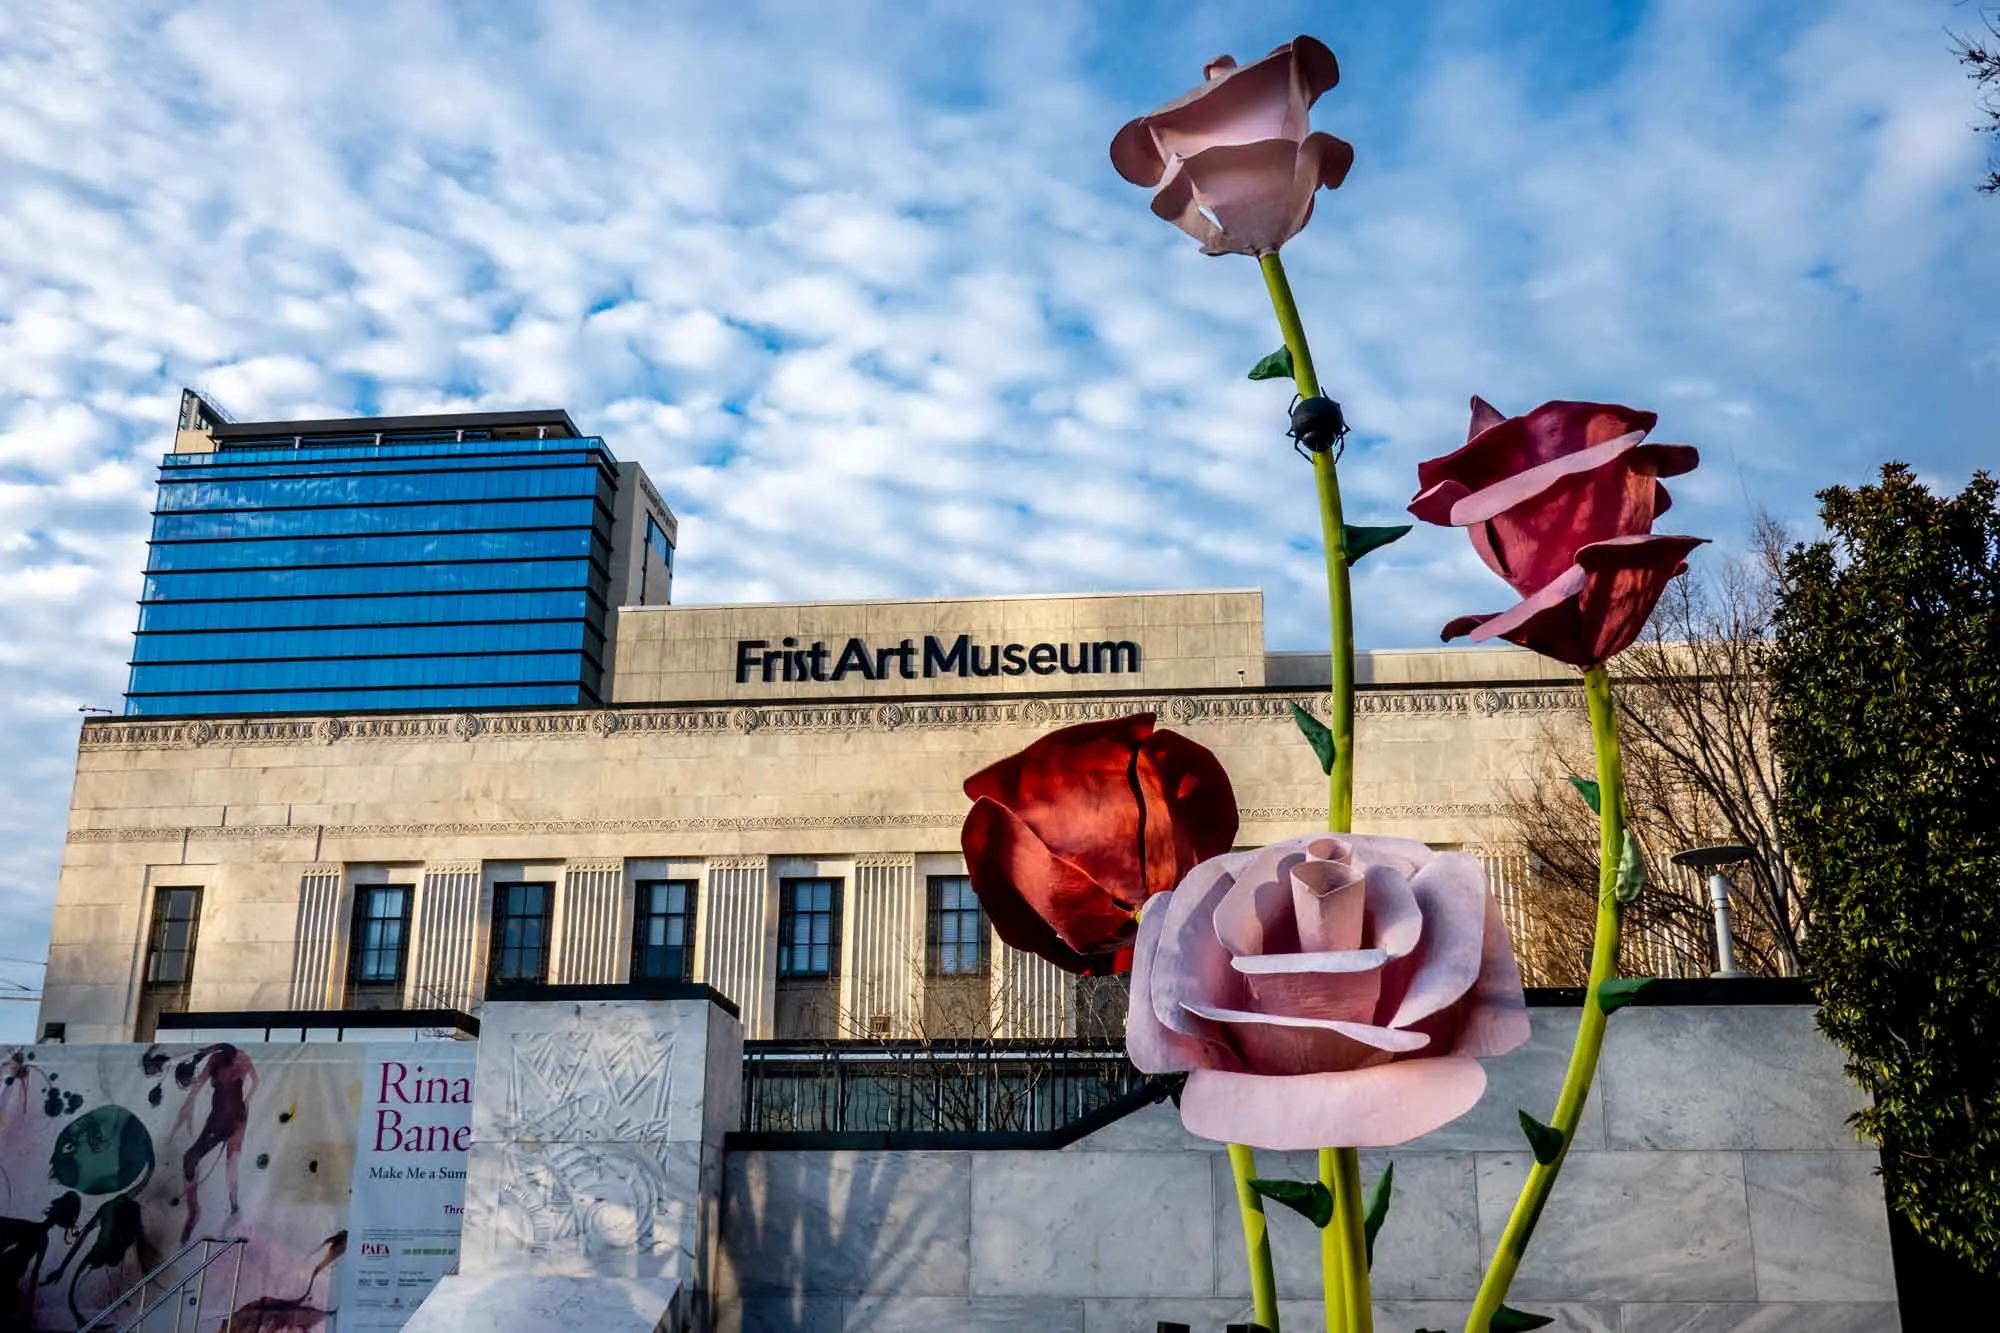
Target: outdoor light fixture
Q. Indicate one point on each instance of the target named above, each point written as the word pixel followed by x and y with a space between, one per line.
pixel 1713 859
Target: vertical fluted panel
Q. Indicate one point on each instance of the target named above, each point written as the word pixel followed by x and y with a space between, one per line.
pixel 445 967
pixel 594 937
pixel 316 942
pixel 1507 873
pixel 882 961
pixel 1031 996
pixel 738 948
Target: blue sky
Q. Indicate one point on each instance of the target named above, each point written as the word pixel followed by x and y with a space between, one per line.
pixel 857 285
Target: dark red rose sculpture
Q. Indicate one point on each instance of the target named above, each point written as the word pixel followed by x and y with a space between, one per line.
pixel 1561 504
pixel 1067 838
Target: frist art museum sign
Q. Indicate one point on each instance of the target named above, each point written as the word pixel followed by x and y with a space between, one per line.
pixel 792 661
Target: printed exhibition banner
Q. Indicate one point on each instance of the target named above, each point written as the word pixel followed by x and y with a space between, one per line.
pixel 411 1137
pixel 112 1158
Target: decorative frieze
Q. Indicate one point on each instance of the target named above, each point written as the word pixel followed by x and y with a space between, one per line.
pixel 1291 814
pixel 744 719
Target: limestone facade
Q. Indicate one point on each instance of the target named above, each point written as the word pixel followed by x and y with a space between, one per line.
pixel 734 788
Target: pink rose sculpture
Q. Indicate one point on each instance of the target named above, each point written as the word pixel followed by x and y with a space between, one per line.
pixel 1235 160
pixel 1329 989
pixel 1561 504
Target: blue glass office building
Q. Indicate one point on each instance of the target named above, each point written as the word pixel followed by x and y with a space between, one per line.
pixel 469 560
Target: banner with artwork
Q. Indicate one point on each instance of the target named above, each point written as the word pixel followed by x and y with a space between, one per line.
pixel 414 1127
pixel 113 1158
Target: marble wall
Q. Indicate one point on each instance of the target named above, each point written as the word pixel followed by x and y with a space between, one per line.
pixel 596 1167
pixel 1714 1187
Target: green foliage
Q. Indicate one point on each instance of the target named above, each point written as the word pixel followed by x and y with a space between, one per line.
pixel 1546 1140
pixel 1309 1199
pixel 1618 992
pixel 1886 681
pixel 1358 542
pixel 1507 1319
pixel 1276 366
pixel 1377 1210
pixel 1316 736
pixel 1587 788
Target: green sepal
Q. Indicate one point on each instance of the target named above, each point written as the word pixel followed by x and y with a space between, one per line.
pixel 1507 1319
pixel 1309 1199
pixel 1377 1210
pixel 1618 992
pixel 1631 870
pixel 1588 790
pixel 1546 1140
pixel 1316 736
pixel 1276 366
pixel 1360 541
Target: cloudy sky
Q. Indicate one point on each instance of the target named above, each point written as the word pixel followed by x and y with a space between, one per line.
pixel 857 285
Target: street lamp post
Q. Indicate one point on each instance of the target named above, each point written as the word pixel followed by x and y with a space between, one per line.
pixel 1713 859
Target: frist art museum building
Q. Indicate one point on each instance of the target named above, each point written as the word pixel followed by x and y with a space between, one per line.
pixel 412 715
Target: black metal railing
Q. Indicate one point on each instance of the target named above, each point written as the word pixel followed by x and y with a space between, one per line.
pixel 930 1092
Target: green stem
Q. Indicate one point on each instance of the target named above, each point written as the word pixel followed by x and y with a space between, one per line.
pixel 1590 1028
pixel 1263 1282
pixel 1339 592
pixel 1343 1243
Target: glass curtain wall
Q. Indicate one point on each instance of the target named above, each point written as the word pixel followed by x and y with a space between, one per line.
pixel 415 571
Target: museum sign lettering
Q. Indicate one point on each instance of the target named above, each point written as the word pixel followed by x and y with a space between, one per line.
pixel 791 661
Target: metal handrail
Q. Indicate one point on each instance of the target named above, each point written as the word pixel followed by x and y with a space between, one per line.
pixel 197 1275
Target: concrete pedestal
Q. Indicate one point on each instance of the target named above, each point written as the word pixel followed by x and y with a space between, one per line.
pixel 593 1188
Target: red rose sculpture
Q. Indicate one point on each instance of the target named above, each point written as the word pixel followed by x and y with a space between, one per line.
pixel 1069 837
pixel 1561 503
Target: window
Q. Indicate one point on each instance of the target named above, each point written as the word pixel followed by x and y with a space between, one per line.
pixel 663 931
pixel 170 943
pixel 521 933
pixel 808 928
pixel 955 938
pixel 379 942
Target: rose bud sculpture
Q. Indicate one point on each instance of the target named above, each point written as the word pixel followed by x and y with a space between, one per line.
pixel 1561 504
pixel 1069 837
pixel 1326 989
pixel 1235 160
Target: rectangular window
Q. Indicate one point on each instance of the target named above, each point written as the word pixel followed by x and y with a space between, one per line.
pixel 170 942
pixel 663 931
pixel 521 933
pixel 380 941
pixel 808 928
pixel 955 936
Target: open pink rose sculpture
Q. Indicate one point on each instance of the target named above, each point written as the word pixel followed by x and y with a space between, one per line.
pixel 1561 504
pixel 1329 989
pixel 1235 160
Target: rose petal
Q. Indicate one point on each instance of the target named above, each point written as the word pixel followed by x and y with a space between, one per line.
pixel 1289 1044
pixel 1393 924
pixel 1152 1047
pixel 1189 962
pixel 1259 194
pixel 1256 916
pixel 1598 606
pixel 1496 1016
pixel 1379 849
pixel 1340 984
pixel 1038 902
pixel 1328 904
pixel 1515 444
pixel 1451 892
pixel 1266 99
pixel 1190 807
pixel 1361 1108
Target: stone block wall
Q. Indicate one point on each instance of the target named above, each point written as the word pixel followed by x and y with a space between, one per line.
pixel 1714 1187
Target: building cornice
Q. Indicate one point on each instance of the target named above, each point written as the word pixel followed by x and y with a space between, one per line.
pixel 916 713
